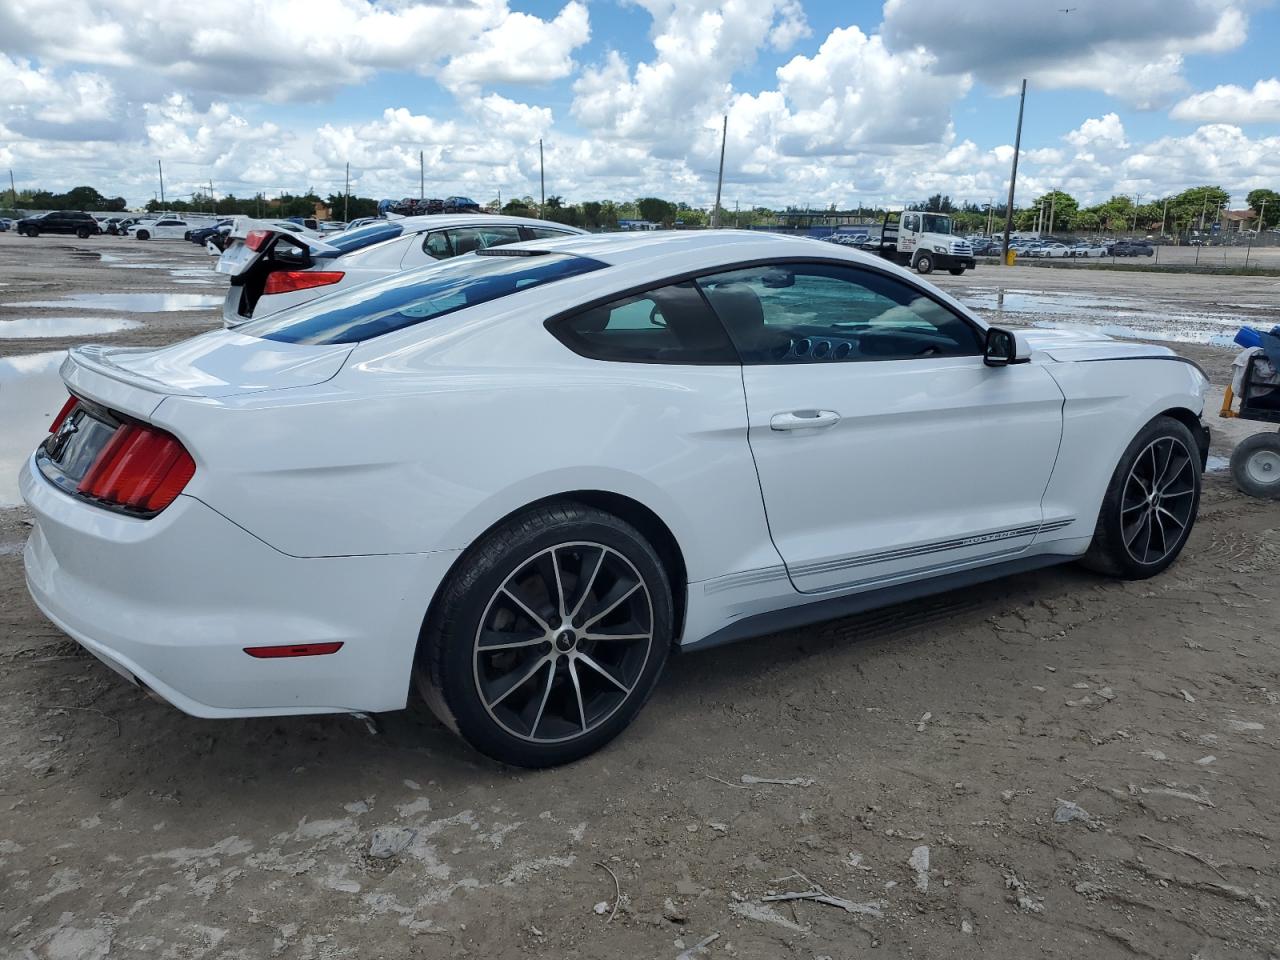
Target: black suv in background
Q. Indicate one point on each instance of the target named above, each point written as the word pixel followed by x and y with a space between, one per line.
pixel 59 221
pixel 1131 248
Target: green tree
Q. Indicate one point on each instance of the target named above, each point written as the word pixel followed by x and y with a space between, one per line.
pixel 1064 207
pixel 935 204
pixel 656 210
pixel 1197 206
pixel 1266 203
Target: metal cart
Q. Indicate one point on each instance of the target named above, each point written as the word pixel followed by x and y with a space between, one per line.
pixel 1255 462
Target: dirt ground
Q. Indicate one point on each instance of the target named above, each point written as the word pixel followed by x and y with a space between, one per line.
pixel 1054 765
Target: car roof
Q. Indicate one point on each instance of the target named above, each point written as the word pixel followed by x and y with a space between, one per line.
pixel 432 221
pixel 711 247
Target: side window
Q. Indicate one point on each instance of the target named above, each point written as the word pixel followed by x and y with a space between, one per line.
pixel 911 222
pixel 546 233
pixel 815 312
pixel 668 325
pixel 437 245
pixel 468 239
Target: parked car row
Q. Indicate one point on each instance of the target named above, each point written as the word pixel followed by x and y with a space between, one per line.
pixel 272 265
pixel 1051 248
pixel 411 207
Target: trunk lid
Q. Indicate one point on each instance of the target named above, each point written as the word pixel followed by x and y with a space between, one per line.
pixel 134 380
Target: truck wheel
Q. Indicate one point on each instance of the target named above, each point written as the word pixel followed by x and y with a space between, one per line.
pixel 924 263
pixel 1255 465
pixel 956 271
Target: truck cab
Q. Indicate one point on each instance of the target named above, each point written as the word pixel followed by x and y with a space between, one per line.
pixel 924 241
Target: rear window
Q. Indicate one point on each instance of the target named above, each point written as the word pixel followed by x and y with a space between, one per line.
pixel 365 236
pixel 405 299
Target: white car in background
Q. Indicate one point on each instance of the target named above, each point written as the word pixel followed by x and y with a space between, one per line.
pixel 524 476
pixel 271 270
pixel 163 228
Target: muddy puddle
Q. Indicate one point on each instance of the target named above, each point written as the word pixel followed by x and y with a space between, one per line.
pixel 31 328
pixel 136 302
pixel 31 394
pixel 1114 316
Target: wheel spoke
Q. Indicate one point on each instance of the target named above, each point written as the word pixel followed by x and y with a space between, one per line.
pixel 494 640
pixel 1171 516
pixel 546 627
pixel 1158 479
pixel 561 600
pixel 623 637
pixel 1132 538
pixel 537 664
pixel 542 705
pixel 613 605
pixel 577 692
pixel 584 586
pixel 583 658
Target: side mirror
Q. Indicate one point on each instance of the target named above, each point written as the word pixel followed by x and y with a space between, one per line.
pixel 1005 347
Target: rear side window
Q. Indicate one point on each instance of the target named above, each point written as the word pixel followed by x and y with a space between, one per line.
pixel 362 237
pixel 402 300
pixel 668 325
pixel 546 233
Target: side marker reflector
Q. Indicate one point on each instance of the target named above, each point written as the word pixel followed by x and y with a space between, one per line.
pixel 294 650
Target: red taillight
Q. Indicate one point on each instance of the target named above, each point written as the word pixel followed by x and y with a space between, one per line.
pixel 140 468
pixel 63 414
pixel 256 239
pixel 294 650
pixel 286 281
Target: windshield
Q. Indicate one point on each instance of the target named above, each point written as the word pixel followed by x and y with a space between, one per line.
pixel 933 223
pixel 404 299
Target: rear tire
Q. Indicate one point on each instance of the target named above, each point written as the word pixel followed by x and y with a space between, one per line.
pixel 1255 466
pixel 82 234
pixel 548 636
pixel 32 232
pixel 1150 505
pixel 924 263
pixel 143 235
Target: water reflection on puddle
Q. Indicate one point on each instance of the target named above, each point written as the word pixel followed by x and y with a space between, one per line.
pixel 141 302
pixel 30 328
pixel 31 392
pixel 1114 316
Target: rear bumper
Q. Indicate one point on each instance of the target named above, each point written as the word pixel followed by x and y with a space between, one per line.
pixel 172 602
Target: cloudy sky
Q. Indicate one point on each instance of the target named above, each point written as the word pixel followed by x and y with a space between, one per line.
pixel 829 101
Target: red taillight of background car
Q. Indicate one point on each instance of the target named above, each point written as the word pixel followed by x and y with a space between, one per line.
pixel 63 414
pixel 286 281
pixel 256 239
pixel 140 468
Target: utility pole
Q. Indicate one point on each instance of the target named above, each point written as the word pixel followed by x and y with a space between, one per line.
pixel 715 211
pixel 1013 175
pixel 13 192
pixel 160 167
pixel 1164 215
pixel 1053 202
pixel 991 213
pixel 422 177
pixel 542 181
pixel 1136 202
pixel 213 200
pixel 736 208
pixel 346 196
pixel 1261 213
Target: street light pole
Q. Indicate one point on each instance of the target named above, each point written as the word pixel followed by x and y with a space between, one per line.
pixel 346 196
pixel 542 180
pixel 160 167
pixel 1013 174
pixel 715 211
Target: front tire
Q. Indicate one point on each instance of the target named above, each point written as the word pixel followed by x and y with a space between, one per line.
pixel 1255 465
pixel 548 636
pixel 1150 505
pixel 956 271
pixel 924 263
pixel 143 235
pixel 32 232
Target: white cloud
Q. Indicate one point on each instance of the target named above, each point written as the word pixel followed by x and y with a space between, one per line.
pixel 1106 132
pixel 1132 50
pixel 282 50
pixel 1230 103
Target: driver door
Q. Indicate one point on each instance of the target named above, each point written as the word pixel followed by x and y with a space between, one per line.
pixel 886 449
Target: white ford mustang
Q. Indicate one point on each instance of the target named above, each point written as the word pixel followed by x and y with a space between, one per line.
pixel 525 475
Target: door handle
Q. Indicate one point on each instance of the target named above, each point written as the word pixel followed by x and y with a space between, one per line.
pixel 804 420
